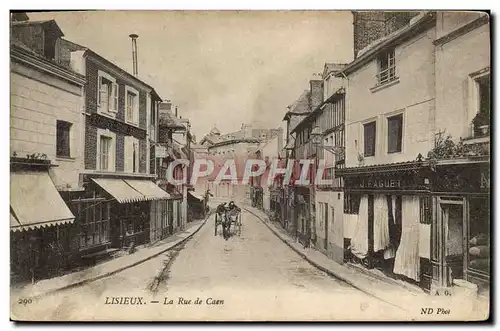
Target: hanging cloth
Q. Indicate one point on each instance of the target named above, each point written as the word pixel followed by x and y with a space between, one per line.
pixel 381 237
pixel 390 251
pixel 359 242
pixel 407 260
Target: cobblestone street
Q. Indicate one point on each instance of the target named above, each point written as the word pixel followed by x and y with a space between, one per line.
pixel 252 276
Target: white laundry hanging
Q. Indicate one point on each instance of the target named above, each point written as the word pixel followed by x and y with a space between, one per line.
pixel 407 260
pixel 381 238
pixel 390 252
pixel 359 241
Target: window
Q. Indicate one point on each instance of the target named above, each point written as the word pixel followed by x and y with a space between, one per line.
pixel 108 93
pixel 370 131
pixel 386 67
pixel 351 204
pixel 131 106
pixel 63 139
pixel 94 222
pixel 104 152
pixel 482 120
pixel 395 133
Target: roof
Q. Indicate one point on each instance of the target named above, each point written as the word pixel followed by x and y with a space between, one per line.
pixel 52 25
pixel 302 120
pixel 123 71
pixel 301 107
pixel 418 24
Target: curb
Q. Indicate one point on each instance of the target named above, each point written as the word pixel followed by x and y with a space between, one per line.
pixel 320 267
pixel 110 273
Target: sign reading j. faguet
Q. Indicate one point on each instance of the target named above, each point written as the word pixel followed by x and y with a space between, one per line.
pixel 391 182
pixel 380 183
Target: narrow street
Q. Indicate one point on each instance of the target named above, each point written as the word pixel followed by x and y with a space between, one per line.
pixel 253 276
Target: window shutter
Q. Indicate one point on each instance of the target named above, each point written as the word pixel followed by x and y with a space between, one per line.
pixel 115 97
pixel 127 155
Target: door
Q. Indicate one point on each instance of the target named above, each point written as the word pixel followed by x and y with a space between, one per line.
pixel 451 212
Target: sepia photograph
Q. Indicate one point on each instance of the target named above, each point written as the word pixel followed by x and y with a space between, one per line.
pixel 250 165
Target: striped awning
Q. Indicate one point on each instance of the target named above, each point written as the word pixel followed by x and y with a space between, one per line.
pixel 35 202
pixel 150 190
pixel 131 190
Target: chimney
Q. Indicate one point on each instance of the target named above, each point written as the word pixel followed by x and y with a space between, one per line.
pixel 134 37
pixel 369 26
pixel 316 85
pixel 176 111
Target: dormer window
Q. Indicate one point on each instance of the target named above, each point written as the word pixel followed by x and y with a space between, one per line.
pixel 386 67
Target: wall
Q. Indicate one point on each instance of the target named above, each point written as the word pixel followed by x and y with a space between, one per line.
pixel 455 61
pixel 335 226
pixel 91 90
pixel 37 102
pixel 413 95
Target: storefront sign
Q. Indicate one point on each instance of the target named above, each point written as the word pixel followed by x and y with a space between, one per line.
pixel 406 182
pixel 472 178
pixel 113 125
pixel 381 183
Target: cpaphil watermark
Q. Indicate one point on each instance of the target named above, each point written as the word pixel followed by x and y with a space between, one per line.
pixel 292 171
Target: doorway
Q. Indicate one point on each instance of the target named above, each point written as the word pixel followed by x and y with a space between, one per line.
pixel 451 213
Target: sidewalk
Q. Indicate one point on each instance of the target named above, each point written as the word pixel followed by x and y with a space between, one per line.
pixel 411 301
pixel 56 284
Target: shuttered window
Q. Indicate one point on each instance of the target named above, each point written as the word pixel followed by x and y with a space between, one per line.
pixel 370 131
pixel 395 133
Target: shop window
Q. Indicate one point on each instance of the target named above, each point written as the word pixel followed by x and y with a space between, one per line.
pixel 63 139
pixel 395 133
pixel 351 204
pixel 386 67
pixel 479 236
pixel 370 131
pixel 94 223
pixel 426 210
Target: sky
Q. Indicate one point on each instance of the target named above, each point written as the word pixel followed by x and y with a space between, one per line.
pixel 220 68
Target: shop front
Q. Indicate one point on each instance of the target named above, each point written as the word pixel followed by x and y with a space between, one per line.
pixel 461 228
pixel 388 218
pixel 117 213
pixel 40 223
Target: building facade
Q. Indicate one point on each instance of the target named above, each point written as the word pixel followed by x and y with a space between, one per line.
pixel 408 209
pixel 115 209
pixel 46 130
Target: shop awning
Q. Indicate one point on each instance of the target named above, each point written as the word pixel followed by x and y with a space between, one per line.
pixel 131 190
pixel 119 189
pixel 194 195
pixel 150 190
pixel 35 202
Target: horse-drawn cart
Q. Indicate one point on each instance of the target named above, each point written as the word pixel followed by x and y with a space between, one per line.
pixel 228 217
